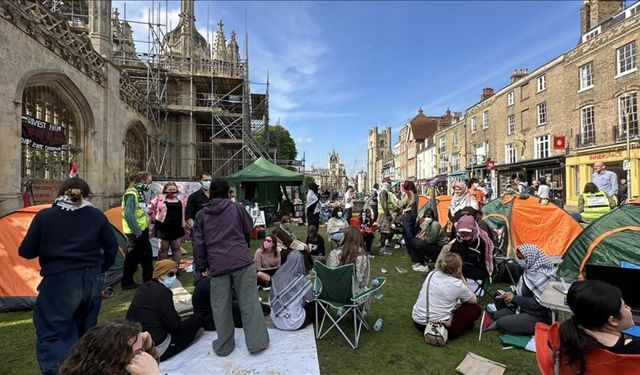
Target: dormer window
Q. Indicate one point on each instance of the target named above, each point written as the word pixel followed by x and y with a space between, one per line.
pixel 591 34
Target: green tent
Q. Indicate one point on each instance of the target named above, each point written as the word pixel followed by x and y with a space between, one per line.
pixel 260 181
pixel 611 239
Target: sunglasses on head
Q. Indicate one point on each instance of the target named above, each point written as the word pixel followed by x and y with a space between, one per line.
pixel 171 274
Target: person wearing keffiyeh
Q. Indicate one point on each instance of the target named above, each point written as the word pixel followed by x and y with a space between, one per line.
pixel 520 311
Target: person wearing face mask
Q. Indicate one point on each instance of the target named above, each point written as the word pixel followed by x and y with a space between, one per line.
pixel 135 225
pixel 428 242
pixel 336 226
pixel 197 200
pixel 166 211
pixel 519 312
pixel 153 308
pixel 475 248
pixel 474 189
pixel 267 261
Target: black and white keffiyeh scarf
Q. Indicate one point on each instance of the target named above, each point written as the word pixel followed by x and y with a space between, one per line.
pixel 67 204
pixel 538 271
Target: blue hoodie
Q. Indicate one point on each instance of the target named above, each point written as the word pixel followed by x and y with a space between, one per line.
pixel 220 237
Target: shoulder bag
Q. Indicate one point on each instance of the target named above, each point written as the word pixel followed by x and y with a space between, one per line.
pixel 435 333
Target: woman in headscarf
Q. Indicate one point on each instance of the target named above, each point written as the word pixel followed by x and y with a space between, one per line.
pixel 291 294
pixel 475 248
pixel 461 198
pixel 313 205
pixel 520 311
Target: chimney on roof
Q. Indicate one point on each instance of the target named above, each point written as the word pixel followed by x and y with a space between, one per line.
pixel 487 92
pixel 518 73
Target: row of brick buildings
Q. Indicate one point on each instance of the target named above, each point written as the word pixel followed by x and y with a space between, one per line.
pixel 554 121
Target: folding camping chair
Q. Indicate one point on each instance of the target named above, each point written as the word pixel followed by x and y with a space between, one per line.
pixel 334 290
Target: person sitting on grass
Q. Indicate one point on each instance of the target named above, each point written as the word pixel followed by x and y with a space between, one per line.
pixel 599 318
pixel 519 312
pixel 153 308
pixel 267 261
pixel 291 295
pixel 316 244
pixel 352 252
pixel 113 347
pixel 428 242
pixel 336 226
pixel 287 242
pixel 446 287
pixel 476 250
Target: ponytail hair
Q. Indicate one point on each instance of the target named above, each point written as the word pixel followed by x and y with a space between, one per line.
pixel 76 189
pixel 592 303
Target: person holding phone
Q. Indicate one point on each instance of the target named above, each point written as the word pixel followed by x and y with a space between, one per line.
pixel 519 312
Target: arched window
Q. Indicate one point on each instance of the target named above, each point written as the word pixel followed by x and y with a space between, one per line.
pixel 47 104
pixel 134 150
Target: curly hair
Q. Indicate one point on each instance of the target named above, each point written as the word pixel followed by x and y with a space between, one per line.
pixel 104 349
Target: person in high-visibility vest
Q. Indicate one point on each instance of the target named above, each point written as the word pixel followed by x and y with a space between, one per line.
pixel 135 225
pixel 593 203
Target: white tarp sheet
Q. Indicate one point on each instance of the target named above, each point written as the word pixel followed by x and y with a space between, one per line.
pixel 289 352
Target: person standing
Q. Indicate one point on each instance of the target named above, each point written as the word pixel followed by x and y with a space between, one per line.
pixel 221 251
pixel 197 200
pixel 409 206
pixel 606 181
pixel 166 211
pixel 349 197
pixel 623 191
pixel 313 205
pixel 543 191
pixel 135 225
pixel 75 245
pixel 374 201
pixel 385 209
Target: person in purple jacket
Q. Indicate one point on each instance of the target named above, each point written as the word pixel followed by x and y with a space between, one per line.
pixel 221 251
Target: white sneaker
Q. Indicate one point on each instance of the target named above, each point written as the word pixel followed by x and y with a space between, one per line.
pixel 420 268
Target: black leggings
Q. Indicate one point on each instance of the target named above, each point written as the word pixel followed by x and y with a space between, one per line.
pixel 183 336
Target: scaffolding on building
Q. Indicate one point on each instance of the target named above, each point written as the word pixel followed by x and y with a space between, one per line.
pixel 203 116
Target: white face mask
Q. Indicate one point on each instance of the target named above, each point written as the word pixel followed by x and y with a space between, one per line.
pixel 206 185
pixel 428 220
pixel 475 184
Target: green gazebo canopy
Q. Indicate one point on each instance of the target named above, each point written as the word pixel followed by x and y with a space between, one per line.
pixel 262 170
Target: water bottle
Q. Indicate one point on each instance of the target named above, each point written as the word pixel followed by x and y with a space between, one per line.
pixel 374 284
pixel 377 325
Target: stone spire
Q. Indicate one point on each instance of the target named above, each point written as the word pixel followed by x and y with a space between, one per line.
pixel 220 44
pixel 100 26
pixel 185 40
pixel 233 52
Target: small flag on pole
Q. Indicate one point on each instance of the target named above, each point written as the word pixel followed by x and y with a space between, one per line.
pixel 73 171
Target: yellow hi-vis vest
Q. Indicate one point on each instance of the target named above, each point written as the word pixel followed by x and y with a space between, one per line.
pixel 389 203
pixel 140 213
pixel 595 205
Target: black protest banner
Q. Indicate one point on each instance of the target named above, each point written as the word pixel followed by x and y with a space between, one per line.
pixel 42 135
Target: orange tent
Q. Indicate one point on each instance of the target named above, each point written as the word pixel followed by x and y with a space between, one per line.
pixel 115 217
pixel 20 277
pixel 442 206
pixel 527 221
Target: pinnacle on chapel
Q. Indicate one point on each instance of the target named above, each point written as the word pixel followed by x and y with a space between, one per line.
pixel 220 44
pixel 233 52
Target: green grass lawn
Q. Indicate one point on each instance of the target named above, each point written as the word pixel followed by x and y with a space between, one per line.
pixel 397 348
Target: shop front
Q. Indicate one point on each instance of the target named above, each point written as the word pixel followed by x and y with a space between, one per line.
pixel 552 169
pixel 579 168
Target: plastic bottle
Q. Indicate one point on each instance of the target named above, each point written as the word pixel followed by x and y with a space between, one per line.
pixel 377 325
pixel 374 284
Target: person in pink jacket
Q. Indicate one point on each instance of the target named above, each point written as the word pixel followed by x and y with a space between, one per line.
pixel 167 213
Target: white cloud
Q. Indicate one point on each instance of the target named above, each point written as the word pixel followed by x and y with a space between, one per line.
pixel 304 140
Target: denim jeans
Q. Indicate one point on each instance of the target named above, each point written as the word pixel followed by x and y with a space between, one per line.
pixel 67 306
pixel 408 229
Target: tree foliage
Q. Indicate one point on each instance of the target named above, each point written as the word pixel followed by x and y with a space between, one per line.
pixel 281 146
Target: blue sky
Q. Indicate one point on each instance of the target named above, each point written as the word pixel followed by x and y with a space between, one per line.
pixel 338 68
